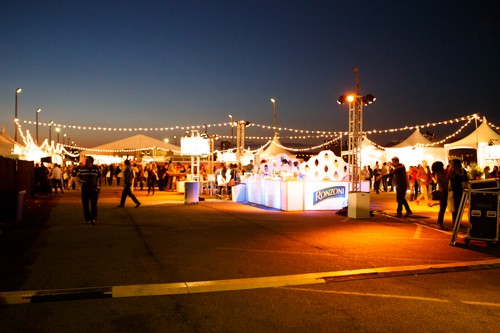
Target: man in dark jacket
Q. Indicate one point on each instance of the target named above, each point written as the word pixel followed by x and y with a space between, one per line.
pixel 400 179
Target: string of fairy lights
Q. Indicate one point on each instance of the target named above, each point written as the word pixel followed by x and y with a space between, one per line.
pixel 298 134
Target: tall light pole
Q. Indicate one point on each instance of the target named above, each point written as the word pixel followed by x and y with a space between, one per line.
pixel 50 131
pixel 274 103
pixel 36 114
pixel 18 91
pixel 232 133
pixel 64 138
pixel 359 202
pixel 58 130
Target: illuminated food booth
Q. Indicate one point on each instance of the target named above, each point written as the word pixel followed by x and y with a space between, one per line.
pixel 318 184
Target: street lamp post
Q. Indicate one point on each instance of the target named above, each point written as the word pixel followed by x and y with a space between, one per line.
pixel 58 130
pixel 18 91
pixel 274 103
pixel 36 132
pixel 64 138
pixel 232 133
pixel 50 131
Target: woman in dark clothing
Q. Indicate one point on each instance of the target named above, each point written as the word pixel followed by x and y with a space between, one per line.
pixel 152 178
pixel 377 176
pixel 441 180
pixel 458 179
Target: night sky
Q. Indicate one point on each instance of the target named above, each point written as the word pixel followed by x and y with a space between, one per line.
pixel 181 63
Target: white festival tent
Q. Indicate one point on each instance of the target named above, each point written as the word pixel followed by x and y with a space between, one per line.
pixel 370 153
pixel 9 147
pixel 275 148
pixel 485 140
pixel 113 152
pixel 6 143
pixel 413 150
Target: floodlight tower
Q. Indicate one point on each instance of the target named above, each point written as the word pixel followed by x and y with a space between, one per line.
pixel 240 138
pixel 355 134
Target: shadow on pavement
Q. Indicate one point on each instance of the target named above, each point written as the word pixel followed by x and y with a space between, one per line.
pixel 17 239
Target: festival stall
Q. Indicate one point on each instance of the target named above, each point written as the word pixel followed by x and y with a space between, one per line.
pixel 485 140
pixel 6 144
pixel 415 149
pixel 371 153
pixel 283 183
pixel 273 149
pixel 117 151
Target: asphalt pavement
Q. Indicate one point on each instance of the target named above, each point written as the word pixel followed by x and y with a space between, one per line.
pixel 220 266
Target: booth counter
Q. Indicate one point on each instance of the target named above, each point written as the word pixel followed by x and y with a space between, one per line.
pixel 295 195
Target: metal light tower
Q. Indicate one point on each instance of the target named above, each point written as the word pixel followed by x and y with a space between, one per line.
pixel 232 131
pixel 355 136
pixel 240 138
pixel 355 140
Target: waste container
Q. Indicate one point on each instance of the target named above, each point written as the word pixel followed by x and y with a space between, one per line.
pixel 191 192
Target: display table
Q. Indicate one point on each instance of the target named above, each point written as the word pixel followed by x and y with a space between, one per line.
pixel 293 195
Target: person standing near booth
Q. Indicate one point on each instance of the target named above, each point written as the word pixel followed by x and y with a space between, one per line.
pixel 441 180
pixel 424 178
pixel 90 179
pixel 400 179
pixel 458 180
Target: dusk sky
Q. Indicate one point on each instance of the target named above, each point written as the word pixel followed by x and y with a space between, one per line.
pixel 153 63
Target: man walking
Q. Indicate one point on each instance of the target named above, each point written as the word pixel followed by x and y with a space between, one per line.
pixel 90 178
pixel 56 174
pixel 128 179
pixel 400 179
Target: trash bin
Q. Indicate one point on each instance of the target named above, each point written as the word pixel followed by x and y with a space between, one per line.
pixel 191 192
pixel 20 205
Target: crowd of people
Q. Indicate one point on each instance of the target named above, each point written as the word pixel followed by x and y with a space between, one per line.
pixel 428 184
pixel 425 183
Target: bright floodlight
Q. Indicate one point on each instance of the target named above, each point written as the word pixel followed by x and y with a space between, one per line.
pixel 369 99
pixel 350 98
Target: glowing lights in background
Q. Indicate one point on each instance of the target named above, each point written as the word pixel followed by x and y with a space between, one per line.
pixel 304 133
pixel 301 133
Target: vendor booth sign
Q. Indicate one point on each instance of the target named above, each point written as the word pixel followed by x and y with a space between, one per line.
pixel 329 193
pixel 325 195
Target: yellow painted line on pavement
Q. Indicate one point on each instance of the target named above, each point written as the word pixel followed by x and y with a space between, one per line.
pixel 482 303
pixel 281 252
pixel 353 293
pixel 418 232
pixel 19 297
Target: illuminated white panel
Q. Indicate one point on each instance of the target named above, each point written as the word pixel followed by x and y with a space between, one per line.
pixel 194 146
